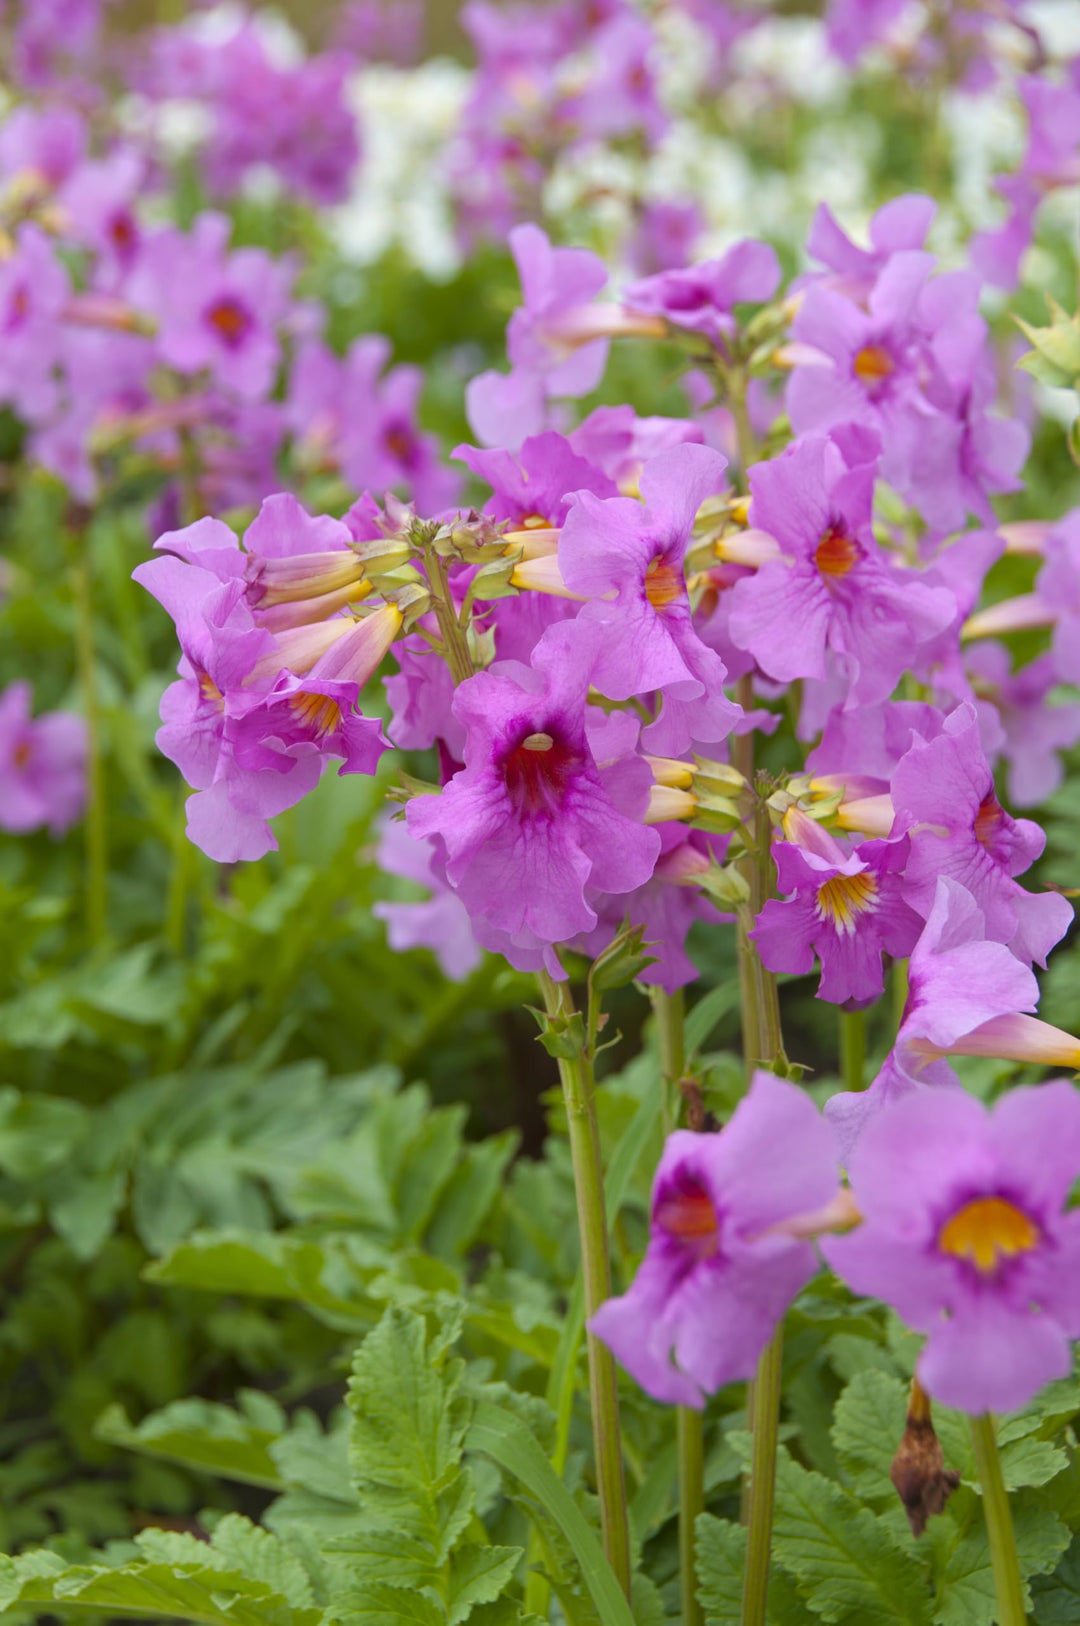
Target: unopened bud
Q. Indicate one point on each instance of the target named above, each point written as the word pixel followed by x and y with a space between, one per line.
pixel 922 1481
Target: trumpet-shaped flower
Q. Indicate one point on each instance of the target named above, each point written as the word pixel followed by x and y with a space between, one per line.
pixel 627 558
pixel 546 356
pixel 966 1234
pixel 846 908
pixel 42 765
pixel 944 797
pixel 536 819
pixel 832 588
pixel 700 298
pixel 719 1273
pixel 964 996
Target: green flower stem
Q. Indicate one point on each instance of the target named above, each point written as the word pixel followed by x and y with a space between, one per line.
pixel 670 1012
pixel 691 1439
pixel 96 830
pixel 999 1526
pixel 763 1042
pixel 575 1073
pixel 853 1048
pixel 455 640
pixel 762 1488
pixel 898 989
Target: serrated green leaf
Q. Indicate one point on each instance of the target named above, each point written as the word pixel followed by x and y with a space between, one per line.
pixel 408 1424
pixel 243 1577
pixel 965 1580
pixel 478 1575
pixel 868 1422
pixel 1055 1599
pixel 720 1549
pixel 840 1555
pixel 198 1434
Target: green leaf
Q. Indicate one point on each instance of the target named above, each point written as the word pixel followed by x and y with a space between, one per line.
pixel 840 1555
pixel 965 1580
pixel 243 1577
pixel 201 1435
pixel 266 1265
pixel 478 1575
pixel 868 1423
pixel 704 1016
pixel 1056 1598
pixel 408 1422
pixel 720 1549
pixel 508 1442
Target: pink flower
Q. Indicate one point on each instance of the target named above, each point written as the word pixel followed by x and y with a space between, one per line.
pixel 547 360
pixel 832 588
pixel 966 1233
pixel 847 909
pixel 944 797
pixel 42 765
pixel 535 819
pixel 718 1274
pixel 627 558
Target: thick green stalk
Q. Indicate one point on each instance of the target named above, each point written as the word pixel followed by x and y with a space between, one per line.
pixel 853 1049
pixel 96 830
pixel 575 1072
pixel 670 1012
pixel 765 1040
pixel 1008 1586
pixel 691 1439
pixel 762 1489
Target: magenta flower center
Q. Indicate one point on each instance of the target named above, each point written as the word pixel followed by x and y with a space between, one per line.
pixel 537 772
pixel 18 309
pixel 689 1216
pixel 230 319
pixel 400 442
pixel 836 552
pixel 843 898
pixel 987 1231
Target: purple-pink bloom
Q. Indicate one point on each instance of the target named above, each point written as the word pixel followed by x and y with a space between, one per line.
pixel 34 289
pixel 719 1271
pixel 902 223
pixel 966 1232
pixel 853 26
pixel 349 412
pixel 943 793
pixel 619 442
pixel 846 908
pixel 439 923
pixel 535 484
pixel 216 310
pixel 665 907
pixel 665 235
pixel 700 298
pixel 1058 586
pixel 534 819
pixel 546 356
pixel 635 552
pixel 832 588
pixel 1033 729
pixel 46 143
pixel 42 765
pixel 958 983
